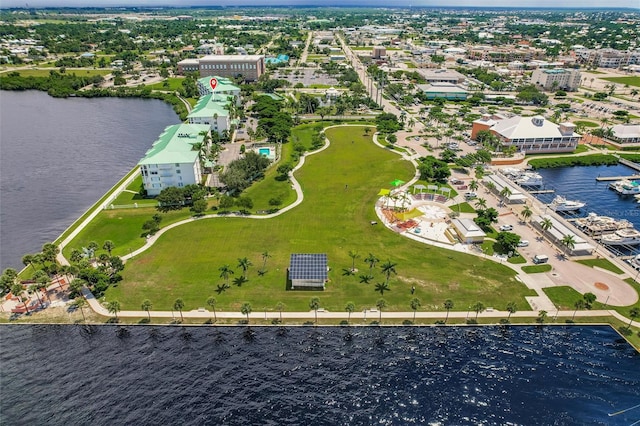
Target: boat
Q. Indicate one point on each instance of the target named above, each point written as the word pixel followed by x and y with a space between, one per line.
pixel 594 224
pixel 634 261
pixel 529 179
pixel 561 204
pixel 622 237
pixel 625 187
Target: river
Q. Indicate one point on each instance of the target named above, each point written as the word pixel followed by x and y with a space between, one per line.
pixel 524 375
pixel 59 156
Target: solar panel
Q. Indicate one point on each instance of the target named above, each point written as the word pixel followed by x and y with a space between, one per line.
pixel 308 266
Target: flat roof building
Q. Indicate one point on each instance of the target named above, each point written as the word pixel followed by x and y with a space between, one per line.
pixel 448 91
pixel 251 67
pixel 556 79
pixel 468 231
pixel 442 76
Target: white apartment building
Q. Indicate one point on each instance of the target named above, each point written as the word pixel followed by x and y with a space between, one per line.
pixel 556 79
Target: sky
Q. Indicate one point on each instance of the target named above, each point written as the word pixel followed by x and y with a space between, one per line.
pixel 477 3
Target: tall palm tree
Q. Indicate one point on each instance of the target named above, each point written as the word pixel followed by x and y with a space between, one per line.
pixel 511 308
pixel 225 272
pixel 265 256
pixel 365 278
pixel 473 185
pixel 353 255
pixel 382 287
pixel 542 316
pixel 569 241
pixel 178 305
pixel 114 307
pixel 240 280
pixel 490 186
pixel 477 308
pixel 371 260
pixel 244 263
pixel 81 303
pixel 349 307
pixel 280 308
pixel 415 304
pixel 381 304
pixel 546 224
pixel 633 314
pixel 388 268
pixel 314 304
pixel 578 305
pixel 448 305
pixel 211 301
pixel 481 203
pixel 33 289
pixel 146 306
pixel 17 290
pixel 245 309
pixel 108 246
pixel 505 193
pixel 27 260
pixel 526 213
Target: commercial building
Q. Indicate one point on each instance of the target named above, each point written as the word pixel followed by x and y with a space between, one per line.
pixel 379 52
pixel 529 134
pixel 448 91
pixel 625 133
pixel 442 76
pixel 250 67
pixel 468 231
pixel 174 158
pixel 607 58
pixel 556 79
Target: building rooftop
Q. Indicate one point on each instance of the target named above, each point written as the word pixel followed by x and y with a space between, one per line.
pixel 227 58
pixel 442 87
pixel 468 228
pixel 224 84
pixel 308 266
pixel 625 131
pixel 518 127
pixel 210 105
pixel 175 144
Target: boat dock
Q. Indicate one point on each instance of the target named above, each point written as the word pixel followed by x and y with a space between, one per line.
pixel 628 163
pixel 543 191
pixel 609 178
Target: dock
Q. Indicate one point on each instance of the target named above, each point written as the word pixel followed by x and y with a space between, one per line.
pixel 609 178
pixel 628 163
pixel 543 191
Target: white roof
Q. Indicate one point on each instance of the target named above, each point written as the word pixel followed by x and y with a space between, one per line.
pixel 468 228
pixel 227 58
pixel 524 128
pixel 626 131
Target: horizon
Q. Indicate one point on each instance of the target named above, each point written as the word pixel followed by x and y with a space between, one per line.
pixel 483 4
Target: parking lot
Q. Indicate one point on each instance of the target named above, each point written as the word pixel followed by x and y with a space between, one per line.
pixel 306 76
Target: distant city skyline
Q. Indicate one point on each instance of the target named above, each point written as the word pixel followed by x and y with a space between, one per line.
pixel 634 4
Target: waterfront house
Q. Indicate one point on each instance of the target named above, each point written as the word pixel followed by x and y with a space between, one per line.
pixel 308 270
pixel 174 158
pixel 530 135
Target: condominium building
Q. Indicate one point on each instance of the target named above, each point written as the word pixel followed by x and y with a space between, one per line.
pixel 174 158
pixel 607 58
pixel 219 86
pixel 250 67
pixel 557 78
pixel 211 110
pixel 529 134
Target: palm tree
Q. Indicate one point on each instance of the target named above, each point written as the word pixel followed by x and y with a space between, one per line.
pixel 114 307
pixel 490 186
pixel 146 306
pixel 108 246
pixel 353 255
pixel 578 305
pixel 546 224
pixel 314 304
pixel 473 185
pixel 569 241
pixel 27 260
pixel 244 263
pixel 477 308
pixel 481 203
pixel 178 305
pixel 634 93
pixel 265 256
pixel 245 309
pixel 367 130
pixel 17 290
pixel 381 304
pixel 365 278
pixel 279 308
pixel 511 308
pixel 388 268
pixel 371 260
pixel 542 316
pixel 415 304
pixel 33 289
pixel 350 307
pixel 81 303
pixel 633 314
pixel 382 287
pixel 225 272
pixel 526 213
pixel 448 305
pixel 505 193
pixel 211 301
pixel 240 280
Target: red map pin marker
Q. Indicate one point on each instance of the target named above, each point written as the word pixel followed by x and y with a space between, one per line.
pixel 213 83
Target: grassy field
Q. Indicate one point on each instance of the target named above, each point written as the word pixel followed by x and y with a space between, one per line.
pixel 536 269
pixel 631 81
pixel 601 263
pixel 185 261
pixel 45 73
pixel 586 123
pixel 174 84
pixel 565 297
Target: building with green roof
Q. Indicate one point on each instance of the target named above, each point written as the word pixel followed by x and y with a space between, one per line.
pixel 173 159
pixel 223 86
pixel 212 110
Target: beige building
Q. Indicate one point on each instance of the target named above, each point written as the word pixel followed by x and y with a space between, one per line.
pixel 556 79
pixel 251 67
pixel 379 52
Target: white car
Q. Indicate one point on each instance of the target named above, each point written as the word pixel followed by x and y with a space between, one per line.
pixel 506 227
pixel 523 243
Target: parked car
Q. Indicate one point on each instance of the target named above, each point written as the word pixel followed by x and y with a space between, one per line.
pixel 523 243
pixel 506 227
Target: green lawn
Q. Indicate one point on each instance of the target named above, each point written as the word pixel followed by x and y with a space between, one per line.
pixel 45 73
pixel 601 263
pixel 586 123
pixel 565 297
pixel 631 81
pixel 174 84
pixel 536 269
pixel 184 262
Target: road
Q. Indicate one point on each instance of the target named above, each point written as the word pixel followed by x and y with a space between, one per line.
pixel 305 53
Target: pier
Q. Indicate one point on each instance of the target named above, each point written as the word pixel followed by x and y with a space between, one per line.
pixel 609 178
pixel 543 191
pixel 628 163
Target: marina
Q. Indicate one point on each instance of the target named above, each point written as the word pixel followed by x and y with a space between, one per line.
pixel 610 178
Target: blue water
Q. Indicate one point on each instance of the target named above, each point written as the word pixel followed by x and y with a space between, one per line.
pixel 106 375
pixel 264 151
pixel 579 183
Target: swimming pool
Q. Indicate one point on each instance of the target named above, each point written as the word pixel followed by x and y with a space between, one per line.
pixel 269 152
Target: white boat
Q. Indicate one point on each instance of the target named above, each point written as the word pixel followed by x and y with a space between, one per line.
pixel 634 262
pixel 594 224
pixel 561 204
pixel 625 187
pixel 622 237
pixel 529 179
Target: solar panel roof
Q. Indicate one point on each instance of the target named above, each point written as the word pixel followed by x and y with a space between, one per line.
pixel 308 266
